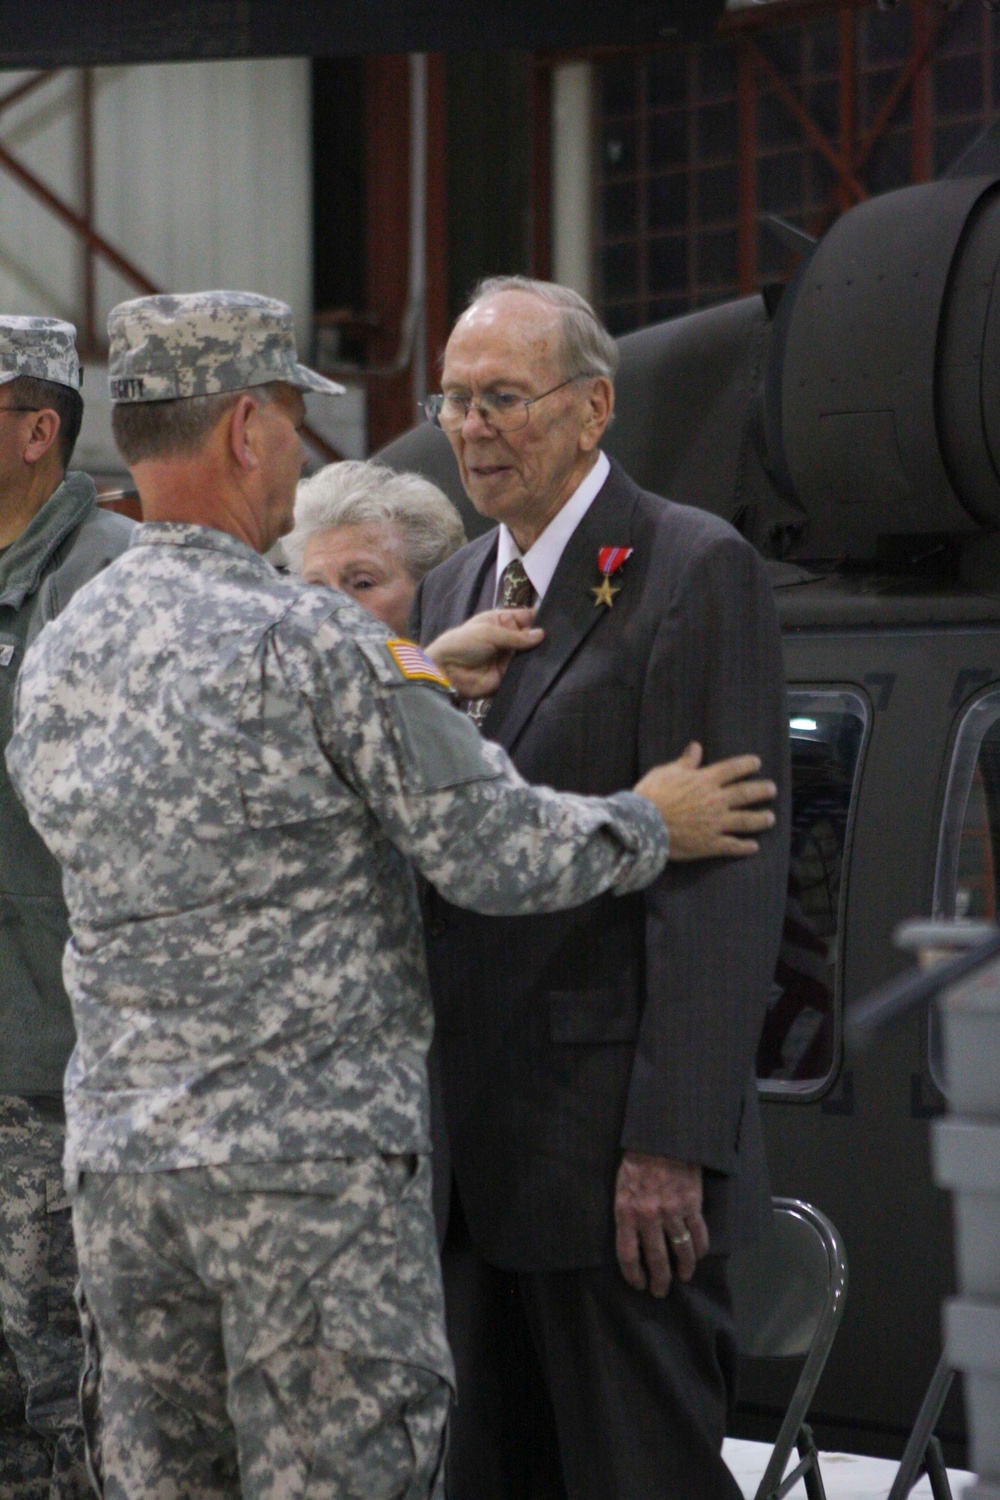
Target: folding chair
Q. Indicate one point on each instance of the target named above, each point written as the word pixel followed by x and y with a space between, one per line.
pixel 922 1454
pixel 788 1296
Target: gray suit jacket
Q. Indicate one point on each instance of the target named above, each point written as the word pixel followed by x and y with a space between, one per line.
pixel 631 1022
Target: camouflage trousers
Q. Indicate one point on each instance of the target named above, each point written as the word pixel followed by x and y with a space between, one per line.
pixel 271 1331
pixel 41 1440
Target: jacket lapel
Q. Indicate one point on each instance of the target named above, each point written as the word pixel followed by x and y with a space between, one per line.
pixel 480 557
pixel 568 613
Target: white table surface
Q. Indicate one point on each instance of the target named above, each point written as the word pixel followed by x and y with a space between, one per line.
pixel 846 1476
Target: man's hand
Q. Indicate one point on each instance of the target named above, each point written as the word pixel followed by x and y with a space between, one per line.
pixel 474 656
pixel 706 808
pixel 658 1216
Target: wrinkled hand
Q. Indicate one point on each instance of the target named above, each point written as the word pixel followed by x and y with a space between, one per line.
pixel 475 655
pixel 706 808
pixel 658 1218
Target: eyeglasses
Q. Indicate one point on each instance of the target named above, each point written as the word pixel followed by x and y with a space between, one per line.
pixel 501 410
pixel 19 408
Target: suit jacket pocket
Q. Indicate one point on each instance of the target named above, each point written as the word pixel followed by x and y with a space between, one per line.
pixel 592 1016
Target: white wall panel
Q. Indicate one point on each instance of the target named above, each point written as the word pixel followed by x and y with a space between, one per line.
pixel 572 176
pixel 202 178
pixel 40 262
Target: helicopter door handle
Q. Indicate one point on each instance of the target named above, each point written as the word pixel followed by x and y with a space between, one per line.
pixel 966 681
pixel 841 1103
pixel 885 682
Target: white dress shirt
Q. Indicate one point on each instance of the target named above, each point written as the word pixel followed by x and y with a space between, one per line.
pixel 542 557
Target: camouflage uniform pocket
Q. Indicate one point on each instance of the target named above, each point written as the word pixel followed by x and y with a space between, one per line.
pixel 90 1405
pixel 62 1272
pixel 338 1300
pixel 437 750
pixel 344 1255
pixel 427 1429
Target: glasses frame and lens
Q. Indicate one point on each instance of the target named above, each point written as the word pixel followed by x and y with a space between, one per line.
pixel 501 410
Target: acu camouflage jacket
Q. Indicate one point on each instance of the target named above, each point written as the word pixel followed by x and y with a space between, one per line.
pixel 235 772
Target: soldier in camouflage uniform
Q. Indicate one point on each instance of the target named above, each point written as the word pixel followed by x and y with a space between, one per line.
pixel 53 538
pixel 235 771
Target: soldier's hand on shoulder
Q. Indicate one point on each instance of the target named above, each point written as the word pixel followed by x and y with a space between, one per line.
pixel 710 811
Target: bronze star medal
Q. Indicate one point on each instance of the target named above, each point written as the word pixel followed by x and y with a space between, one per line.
pixel 609 560
pixel 604 594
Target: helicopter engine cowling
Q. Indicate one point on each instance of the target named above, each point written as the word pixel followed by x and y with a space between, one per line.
pixel 882 393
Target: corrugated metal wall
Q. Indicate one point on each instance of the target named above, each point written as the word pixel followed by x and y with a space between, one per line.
pixel 202 178
pixel 40 264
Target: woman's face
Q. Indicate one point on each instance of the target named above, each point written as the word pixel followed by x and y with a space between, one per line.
pixel 365 561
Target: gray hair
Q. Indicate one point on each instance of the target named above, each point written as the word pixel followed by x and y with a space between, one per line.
pixel 588 348
pixel 355 493
pixel 165 429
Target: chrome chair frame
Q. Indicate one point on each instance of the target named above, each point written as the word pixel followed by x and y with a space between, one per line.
pixel 922 1454
pixel 789 1294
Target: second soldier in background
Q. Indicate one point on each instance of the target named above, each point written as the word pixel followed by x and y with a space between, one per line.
pixel 53 538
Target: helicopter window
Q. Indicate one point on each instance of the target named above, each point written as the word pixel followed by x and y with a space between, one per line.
pixel 965 881
pixel 800 1040
pixel 968 860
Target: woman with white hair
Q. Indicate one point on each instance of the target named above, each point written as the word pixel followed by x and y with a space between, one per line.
pixel 372 533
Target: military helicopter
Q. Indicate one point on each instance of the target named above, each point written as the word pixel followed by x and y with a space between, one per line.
pixel 848 424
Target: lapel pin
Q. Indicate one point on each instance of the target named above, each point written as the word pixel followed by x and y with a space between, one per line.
pixel 609 560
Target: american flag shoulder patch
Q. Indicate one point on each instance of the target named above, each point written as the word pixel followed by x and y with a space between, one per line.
pixel 414 664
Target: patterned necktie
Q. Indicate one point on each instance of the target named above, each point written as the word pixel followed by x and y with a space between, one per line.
pixel 516 592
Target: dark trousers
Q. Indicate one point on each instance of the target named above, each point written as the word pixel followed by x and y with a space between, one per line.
pixel 572 1386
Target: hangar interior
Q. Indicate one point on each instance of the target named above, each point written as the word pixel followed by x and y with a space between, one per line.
pixel 644 176
pixel 371 191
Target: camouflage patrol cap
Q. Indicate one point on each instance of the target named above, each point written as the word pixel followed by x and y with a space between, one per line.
pixel 41 348
pixel 201 344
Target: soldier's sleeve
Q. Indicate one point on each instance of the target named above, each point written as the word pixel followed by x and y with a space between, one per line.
pixel 454 804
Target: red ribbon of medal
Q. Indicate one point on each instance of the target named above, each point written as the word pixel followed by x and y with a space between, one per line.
pixel 609 560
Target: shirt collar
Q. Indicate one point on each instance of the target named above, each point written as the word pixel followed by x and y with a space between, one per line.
pixel 26 559
pixel 542 557
pixel 185 534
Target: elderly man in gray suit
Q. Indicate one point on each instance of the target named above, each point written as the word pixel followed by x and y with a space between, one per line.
pixel 597 1065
